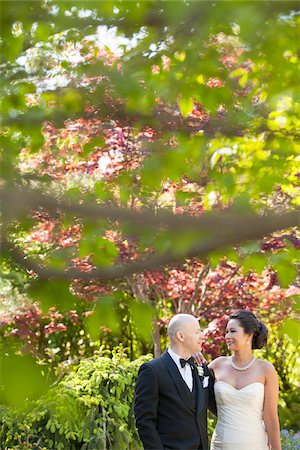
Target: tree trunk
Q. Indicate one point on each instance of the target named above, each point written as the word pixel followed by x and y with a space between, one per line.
pixel 156 339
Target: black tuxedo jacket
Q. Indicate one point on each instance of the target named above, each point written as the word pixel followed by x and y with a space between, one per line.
pixel 165 415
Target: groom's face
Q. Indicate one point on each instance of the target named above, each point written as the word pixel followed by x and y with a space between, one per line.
pixel 192 337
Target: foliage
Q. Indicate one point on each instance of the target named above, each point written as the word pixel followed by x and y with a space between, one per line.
pixel 205 112
pixel 281 352
pixel 90 408
pixel 175 141
pixel 59 339
pixel 212 293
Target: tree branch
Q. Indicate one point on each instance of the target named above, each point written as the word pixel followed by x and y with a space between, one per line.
pixel 220 230
pixel 16 202
pixel 202 275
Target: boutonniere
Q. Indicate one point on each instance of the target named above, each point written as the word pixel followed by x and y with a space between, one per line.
pixel 200 371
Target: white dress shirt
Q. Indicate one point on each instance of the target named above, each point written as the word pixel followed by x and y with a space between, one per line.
pixel 185 372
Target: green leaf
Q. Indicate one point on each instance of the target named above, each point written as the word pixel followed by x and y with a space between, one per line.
pixel 12 47
pixel 104 315
pixel 42 31
pixel 287 273
pixel 71 100
pixel 60 259
pixel 186 105
pixel 254 262
pixel 92 145
pixel 73 193
pixel 21 379
pixel 228 181
pixel 250 247
pixel 102 191
pixel 51 293
pixel 297 302
pixel 142 315
pixel 284 264
pixel 104 251
pixel 292 328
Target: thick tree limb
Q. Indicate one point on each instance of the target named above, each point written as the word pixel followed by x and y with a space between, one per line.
pixel 220 229
pixel 16 202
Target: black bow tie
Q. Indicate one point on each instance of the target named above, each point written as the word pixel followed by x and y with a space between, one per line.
pixel 190 361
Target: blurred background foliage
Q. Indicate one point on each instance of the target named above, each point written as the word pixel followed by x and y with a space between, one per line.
pixel 149 166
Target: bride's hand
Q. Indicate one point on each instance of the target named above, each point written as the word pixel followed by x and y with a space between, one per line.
pixel 199 358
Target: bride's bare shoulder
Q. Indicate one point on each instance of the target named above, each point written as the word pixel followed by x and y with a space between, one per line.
pixel 266 366
pixel 218 361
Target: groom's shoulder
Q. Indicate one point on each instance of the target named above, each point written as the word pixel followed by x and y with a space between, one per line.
pixel 156 362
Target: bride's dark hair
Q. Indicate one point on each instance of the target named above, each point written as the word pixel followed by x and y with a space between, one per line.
pixel 252 325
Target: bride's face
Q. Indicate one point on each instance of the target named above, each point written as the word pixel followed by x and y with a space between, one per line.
pixel 235 336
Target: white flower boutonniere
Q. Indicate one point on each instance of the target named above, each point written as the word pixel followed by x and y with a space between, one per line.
pixel 200 371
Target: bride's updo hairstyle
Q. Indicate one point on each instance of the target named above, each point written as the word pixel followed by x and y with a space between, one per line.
pixel 252 325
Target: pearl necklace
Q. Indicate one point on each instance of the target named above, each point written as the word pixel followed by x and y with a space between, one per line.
pixel 247 366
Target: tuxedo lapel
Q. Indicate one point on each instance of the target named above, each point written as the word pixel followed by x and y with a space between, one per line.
pixel 180 384
pixel 200 393
pixel 201 389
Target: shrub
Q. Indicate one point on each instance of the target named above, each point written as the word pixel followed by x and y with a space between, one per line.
pixel 283 353
pixel 90 408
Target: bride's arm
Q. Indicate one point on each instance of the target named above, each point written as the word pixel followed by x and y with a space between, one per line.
pixel 270 407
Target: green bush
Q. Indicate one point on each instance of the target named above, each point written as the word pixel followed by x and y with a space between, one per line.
pixel 92 408
pixel 89 409
pixel 283 353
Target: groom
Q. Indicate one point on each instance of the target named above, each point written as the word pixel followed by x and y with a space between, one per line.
pixel 171 398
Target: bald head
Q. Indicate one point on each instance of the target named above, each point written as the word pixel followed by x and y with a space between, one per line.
pixel 180 322
pixel 185 335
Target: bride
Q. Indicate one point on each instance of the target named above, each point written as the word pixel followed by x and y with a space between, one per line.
pixel 246 390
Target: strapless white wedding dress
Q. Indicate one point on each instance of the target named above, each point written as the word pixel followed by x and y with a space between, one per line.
pixel 240 425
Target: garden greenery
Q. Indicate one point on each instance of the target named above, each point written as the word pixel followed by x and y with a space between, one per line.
pixel 137 182
pixel 90 408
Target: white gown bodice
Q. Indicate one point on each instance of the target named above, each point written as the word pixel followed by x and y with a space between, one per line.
pixel 240 424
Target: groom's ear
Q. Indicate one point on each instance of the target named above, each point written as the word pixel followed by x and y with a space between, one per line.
pixel 180 336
